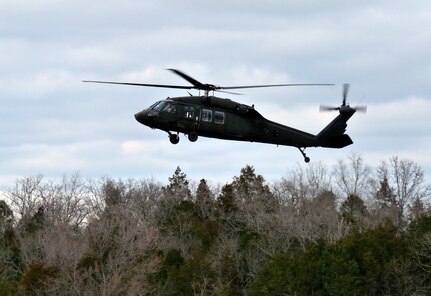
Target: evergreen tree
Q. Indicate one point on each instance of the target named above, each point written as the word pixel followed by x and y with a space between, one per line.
pixel 226 202
pixel 385 195
pixel 353 211
pixel 251 188
pixel 6 215
pixel 178 185
pixel 204 199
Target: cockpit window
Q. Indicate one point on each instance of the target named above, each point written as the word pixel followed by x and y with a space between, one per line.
pixel 164 106
pixel 160 105
pixel 171 108
pixel 152 106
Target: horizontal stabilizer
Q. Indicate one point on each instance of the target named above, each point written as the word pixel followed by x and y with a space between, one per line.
pixel 337 141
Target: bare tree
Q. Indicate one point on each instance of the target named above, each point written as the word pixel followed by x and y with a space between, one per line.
pixel 70 203
pixel 24 197
pixel 352 177
pixel 302 183
pixel 405 181
pixel 64 201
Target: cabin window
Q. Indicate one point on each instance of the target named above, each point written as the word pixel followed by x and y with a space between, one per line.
pixel 219 117
pixel 207 115
pixel 189 112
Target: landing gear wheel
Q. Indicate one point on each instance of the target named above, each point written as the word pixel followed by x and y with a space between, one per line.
pixel 193 136
pixel 307 159
pixel 174 138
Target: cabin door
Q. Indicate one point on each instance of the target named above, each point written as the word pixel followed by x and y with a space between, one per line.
pixel 188 117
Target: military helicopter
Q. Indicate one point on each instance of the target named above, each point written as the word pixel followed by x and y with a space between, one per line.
pixel 215 117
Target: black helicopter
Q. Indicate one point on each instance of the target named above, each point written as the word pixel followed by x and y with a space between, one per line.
pixel 214 117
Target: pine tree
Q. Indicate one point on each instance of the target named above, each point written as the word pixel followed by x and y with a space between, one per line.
pixel 178 185
pixel 353 210
pixel 204 199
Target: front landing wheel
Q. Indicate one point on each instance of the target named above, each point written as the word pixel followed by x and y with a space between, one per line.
pixel 193 136
pixel 174 139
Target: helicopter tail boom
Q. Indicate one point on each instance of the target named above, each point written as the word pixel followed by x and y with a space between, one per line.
pixel 333 135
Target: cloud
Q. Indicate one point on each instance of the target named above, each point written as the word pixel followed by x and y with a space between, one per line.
pixel 52 123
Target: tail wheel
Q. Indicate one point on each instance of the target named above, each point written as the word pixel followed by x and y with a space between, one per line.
pixel 306 158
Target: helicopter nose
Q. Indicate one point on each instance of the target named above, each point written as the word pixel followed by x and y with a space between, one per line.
pixel 140 117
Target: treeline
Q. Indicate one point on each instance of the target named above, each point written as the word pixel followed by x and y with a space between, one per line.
pixel 344 230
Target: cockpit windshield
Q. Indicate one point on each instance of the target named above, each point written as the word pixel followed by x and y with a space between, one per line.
pixel 164 106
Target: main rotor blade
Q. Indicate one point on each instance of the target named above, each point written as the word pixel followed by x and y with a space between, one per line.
pixel 273 85
pixel 140 84
pixel 201 86
pixel 229 92
pixel 206 86
pixel 193 81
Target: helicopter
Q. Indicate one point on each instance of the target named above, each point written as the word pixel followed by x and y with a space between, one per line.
pixel 214 117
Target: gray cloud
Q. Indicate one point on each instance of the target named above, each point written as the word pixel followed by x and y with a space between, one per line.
pixel 52 123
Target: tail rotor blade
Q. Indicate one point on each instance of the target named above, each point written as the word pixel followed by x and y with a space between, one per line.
pixel 345 92
pixel 324 108
pixel 362 109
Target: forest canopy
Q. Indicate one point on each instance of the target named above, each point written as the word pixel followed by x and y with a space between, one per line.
pixel 350 229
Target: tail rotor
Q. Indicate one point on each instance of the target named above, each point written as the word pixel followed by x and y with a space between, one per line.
pixel 344 106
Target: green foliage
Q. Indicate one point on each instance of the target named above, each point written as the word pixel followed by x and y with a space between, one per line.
pixel 171 263
pixel 8 286
pixel 273 278
pixel 418 228
pixel 298 274
pixel 11 260
pixel 353 210
pixel 373 251
pixel 419 238
pixel 229 275
pixel 246 237
pixel 250 187
pixel 354 265
pixel 180 276
pixel 226 202
pixel 340 273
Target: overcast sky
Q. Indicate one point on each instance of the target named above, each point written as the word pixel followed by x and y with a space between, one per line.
pixel 53 124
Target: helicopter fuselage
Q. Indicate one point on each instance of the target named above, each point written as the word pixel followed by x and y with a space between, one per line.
pixel 215 117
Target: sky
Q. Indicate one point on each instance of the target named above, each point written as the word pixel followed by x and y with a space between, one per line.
pixel 54 124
